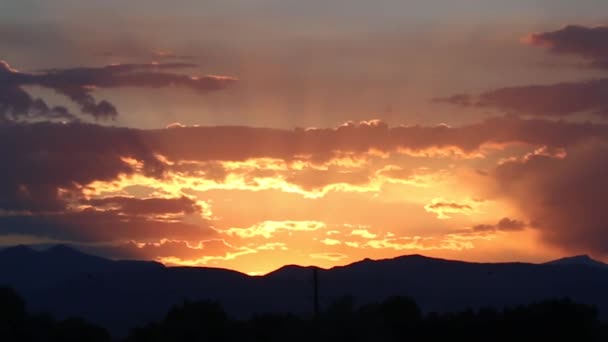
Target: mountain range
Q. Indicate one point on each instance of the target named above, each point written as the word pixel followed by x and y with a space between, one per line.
pixel 120 295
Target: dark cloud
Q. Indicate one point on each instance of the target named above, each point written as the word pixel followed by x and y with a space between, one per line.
pixel 78 84
pixel 505 225
pixel 47 161
pixel 147 206
pixel 450 205
pixel 44 175
pixel 586 42
pixel 97 226
pixel 49 165
pixel 241 143
pixel 443 208
pixel 16 103
pixel 564 197
pixel 562 194
pixel 40 160
pixel 184 250
pixel 553 100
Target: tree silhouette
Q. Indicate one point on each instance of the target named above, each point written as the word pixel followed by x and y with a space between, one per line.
pixel 17 325
pixel 394 319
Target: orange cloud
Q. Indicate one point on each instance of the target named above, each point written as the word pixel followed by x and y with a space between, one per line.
pixel 268 229
pixel 331 242
pixel 453 242
pixel 442 208
pixel 329 256
pixel 364 233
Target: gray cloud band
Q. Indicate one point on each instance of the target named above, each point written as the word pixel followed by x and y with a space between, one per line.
pixel 78 84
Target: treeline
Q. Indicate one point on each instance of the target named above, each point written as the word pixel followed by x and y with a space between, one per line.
pixel 17 325
pixel 395 319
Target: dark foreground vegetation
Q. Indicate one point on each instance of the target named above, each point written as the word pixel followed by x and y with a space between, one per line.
pixel 395 319
pixel 17 325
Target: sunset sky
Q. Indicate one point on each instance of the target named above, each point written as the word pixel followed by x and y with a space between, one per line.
pixel 250 134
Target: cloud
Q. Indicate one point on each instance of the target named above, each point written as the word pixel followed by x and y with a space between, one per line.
pixel 559 99
pixel 364 233
pixel 78 84
pixel 329 256
pixel 68 200
pixel 42 192
pixel 146 206
pixel 563 197
pixel 553 100
pixel 74 156
pixel 230 254
pixel 453 242
pixel 47 164
pixel 464 100
pixel 505 225
pixel 586 42
pixel 233 143
pixel 269 229
pixel 272 246
pixel 98 226
pixel 161 249
pixel 450 205
pixel 562 194
pixel 167 54
pixel 176 125
pixel 442 208
pixel 331 242
pixel 312 179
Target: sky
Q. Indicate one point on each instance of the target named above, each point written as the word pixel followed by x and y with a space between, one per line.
pixel 253 134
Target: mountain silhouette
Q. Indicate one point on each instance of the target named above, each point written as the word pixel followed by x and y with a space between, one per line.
pixel 579 260
pixel 120 295
pixel 29 270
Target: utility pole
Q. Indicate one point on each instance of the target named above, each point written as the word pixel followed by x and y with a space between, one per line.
pixel 315 279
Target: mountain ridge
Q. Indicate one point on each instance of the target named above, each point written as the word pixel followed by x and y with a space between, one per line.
pixel 63 249
pixel 578 260
pixel 120 295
